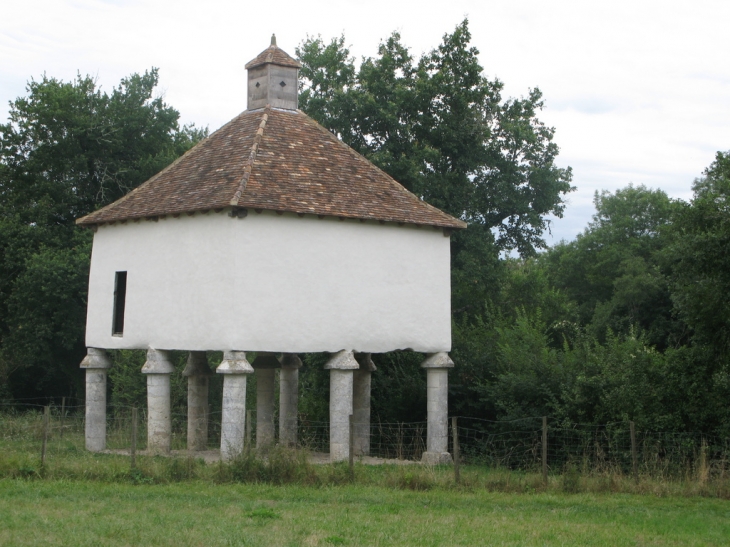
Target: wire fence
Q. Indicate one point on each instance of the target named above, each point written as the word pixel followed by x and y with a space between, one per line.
pixel 516 445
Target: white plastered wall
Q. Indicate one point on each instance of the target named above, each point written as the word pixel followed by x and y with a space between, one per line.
pixel 271 283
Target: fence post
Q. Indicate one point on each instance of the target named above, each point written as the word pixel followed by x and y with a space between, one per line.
pixel 46 420
pixel 351 455
pixel 133 451
pixel 544 450
pixel 249 428
pixel 457 455
pixel 63 413
pixel 703 470
pixel 634 460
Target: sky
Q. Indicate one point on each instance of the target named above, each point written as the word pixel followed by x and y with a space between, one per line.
pixel 637 91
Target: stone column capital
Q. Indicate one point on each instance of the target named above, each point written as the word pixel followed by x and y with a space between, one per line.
pixel 265 360
pixel 365 361
pixel 290 361
pixel 197 365
pixel 96 358
pixel 437 360
pixel 158 362
pixel 234 362
pixel 342 360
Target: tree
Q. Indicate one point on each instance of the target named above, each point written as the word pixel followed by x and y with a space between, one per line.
pixel 441 128
pixel 699 259
pixel 613 270
pixel 329 73
pixel 67 149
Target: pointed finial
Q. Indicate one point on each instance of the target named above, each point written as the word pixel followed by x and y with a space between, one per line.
pixel 273 39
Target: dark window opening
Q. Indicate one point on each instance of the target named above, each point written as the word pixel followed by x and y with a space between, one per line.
pixel 120 295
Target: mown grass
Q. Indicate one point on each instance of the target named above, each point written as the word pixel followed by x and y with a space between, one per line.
pixel 196 513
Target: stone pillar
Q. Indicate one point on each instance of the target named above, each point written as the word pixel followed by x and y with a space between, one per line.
pixel 265 366
pixel 361 403
pixel 198 373
pixel 96 363
pixel 158 368
pixel 437 367
pixel 235 367
pixel 289 399
pixel 341 366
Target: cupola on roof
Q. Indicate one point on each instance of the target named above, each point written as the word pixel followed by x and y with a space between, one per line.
pixel 273 79
pixel 273 55
pixel 274 157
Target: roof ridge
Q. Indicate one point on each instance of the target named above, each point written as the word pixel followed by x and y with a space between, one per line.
pixel 251 158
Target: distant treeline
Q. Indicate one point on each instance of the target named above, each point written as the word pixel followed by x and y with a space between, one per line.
pixel 631 321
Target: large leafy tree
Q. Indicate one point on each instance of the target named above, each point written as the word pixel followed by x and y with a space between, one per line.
pixel 441 128
pixel 67 148
pixel 700 262
pixel 613 270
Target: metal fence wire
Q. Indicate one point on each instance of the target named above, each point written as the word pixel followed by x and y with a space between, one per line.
pixel 513 444
pixel 586 447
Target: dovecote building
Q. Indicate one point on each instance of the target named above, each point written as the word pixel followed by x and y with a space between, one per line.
pixel 269 236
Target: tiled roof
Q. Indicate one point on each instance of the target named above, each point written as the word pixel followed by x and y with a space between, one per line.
pixel 275 56
pixel 277 160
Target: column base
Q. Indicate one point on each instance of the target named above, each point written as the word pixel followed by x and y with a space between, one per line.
pixel 339 452
pixel 436 458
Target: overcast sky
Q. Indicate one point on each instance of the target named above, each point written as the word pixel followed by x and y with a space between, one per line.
pixel 639 92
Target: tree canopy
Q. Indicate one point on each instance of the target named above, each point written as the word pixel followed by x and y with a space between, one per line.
pixel 442 129
pixel 613 270
pixel 699 259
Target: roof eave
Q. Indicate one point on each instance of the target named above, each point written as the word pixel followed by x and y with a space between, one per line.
pixel 89 221
pixel 254 64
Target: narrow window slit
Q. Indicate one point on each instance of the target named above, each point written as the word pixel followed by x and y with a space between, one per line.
pixel 120 296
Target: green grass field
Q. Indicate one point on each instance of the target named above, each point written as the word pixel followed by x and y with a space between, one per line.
pixel 198 513
pixel 79 498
